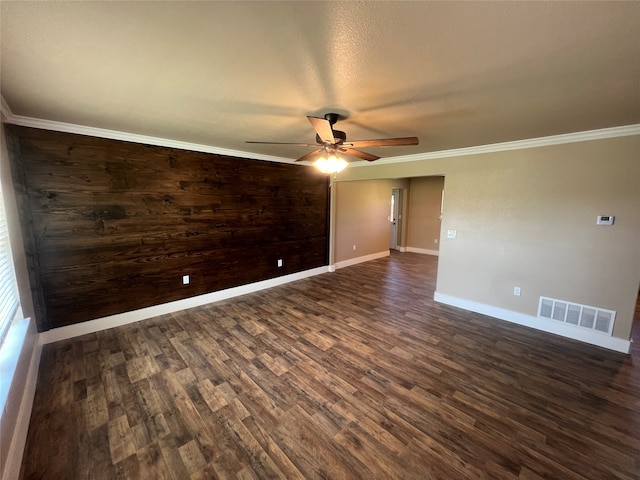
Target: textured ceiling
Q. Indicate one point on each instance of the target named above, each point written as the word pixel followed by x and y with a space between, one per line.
pixel 455 74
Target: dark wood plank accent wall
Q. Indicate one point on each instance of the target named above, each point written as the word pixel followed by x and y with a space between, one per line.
pixel 112 226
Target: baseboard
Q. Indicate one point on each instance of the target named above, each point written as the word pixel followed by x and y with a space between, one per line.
pixel 19 438
pixel 424 251
pixel 111 321
pixel 549 326
pixel 364 258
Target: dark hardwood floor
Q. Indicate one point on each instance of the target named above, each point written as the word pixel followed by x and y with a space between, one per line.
pixel 356 374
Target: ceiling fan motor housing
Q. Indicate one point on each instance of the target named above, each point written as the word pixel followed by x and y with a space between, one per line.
pixel 340 137
pixel 332 118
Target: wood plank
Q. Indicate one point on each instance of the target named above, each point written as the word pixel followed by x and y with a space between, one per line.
pixel 111 226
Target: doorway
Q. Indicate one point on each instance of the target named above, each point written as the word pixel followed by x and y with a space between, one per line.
pixel 395 219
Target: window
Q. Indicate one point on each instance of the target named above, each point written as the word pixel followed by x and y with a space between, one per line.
pixel 8 288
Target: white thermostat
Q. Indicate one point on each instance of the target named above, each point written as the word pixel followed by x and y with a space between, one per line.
pixel 605 220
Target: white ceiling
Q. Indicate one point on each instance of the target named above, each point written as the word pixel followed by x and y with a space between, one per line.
pixel 455 74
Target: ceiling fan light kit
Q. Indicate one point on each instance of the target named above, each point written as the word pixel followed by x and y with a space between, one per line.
pixel 330 164
pixel 333 143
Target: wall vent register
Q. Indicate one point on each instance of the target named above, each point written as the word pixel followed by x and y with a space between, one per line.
pixel 583 316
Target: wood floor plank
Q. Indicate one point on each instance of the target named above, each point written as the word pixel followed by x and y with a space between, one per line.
pixel 121 439
pixel 356 374
pixel 151 463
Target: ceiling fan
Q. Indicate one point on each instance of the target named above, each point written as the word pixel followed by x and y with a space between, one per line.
pixel 333 142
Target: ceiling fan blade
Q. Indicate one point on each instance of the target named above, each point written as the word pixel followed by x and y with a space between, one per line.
pixel 286 143
pixel 384 142
pixel 310 156
pixel 360 154
pixel 323 128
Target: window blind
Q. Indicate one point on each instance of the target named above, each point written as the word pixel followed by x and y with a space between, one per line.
pixel 8 287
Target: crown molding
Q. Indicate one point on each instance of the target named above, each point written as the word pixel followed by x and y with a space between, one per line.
pixel 9 117
pixel 5 111
pixel 585 136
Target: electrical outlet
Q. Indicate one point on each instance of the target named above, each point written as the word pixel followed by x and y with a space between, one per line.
pixel 516 291
pixel 452 234
pixel 354 247
pixel 185 279
pixel 280 262
pixel 435 240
